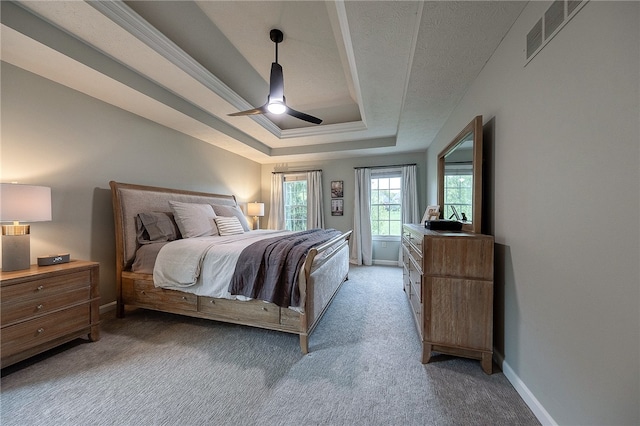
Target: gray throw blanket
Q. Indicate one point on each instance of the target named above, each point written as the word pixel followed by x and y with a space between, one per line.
pixel 268 269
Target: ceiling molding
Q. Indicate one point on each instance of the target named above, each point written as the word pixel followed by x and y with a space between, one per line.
pixel 327 129
pixel 130 21
pixel 343 23
pixel 414 44
pixel 336 147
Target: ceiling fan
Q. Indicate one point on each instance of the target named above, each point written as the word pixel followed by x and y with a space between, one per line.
pixel 276 103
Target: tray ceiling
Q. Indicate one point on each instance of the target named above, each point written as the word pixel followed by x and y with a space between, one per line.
pixel 383 76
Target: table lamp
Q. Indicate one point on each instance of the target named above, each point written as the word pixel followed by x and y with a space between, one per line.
pixel 21 203
pixel 256 210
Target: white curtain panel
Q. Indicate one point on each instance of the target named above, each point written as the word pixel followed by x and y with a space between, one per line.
pixel 361 243
pixel 410 210
pixel 276 208
pixel 315 204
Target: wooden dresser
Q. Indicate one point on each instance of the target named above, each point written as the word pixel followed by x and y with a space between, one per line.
pixel 45 306
pixel 448 278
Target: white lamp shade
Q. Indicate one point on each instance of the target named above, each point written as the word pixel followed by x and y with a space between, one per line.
pixel 24 203
pixel 255 209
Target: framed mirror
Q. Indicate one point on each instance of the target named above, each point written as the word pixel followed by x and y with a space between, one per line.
pixel 460 178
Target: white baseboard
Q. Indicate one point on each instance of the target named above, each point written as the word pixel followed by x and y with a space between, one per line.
pixel 386 262
pixel 111 306
pixel 529 398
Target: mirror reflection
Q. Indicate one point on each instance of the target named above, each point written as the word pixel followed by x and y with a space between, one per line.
pixel 458 181
pixel 460 177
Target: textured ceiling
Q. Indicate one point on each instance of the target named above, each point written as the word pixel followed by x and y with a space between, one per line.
pixel 384 76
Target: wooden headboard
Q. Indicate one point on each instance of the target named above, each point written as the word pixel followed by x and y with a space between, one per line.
pixel 129 200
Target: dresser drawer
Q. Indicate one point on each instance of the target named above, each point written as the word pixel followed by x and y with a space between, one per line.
pixel 27 334
pixel 41 304
pixel 416 308
pixel 406 283
pixel 416 285
pixel 44 287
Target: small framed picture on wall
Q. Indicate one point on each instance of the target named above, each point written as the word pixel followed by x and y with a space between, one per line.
pixel 336 188
pixel 337 207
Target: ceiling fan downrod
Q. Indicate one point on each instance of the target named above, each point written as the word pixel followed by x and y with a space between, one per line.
pixel 276 37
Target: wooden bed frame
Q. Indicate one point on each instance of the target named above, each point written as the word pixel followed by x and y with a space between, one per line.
pixel 325 269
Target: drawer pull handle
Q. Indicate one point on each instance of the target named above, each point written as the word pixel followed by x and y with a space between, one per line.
pixel 213 302
pixel 143 292
pixel 40 330
pixel 39 307
pixel 184 298
pixel 264 309
pixel 40 288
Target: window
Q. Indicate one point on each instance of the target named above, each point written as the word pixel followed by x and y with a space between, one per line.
pixel 458 187
pixel 386 204
pixel 295 203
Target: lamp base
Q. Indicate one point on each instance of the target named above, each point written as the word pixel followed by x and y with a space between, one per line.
pixel 16 252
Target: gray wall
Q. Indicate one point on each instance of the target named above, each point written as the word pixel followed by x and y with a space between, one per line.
pixel 343 169
pixel 564 161
pixel 57 137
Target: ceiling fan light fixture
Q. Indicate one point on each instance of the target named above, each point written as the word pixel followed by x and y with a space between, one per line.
pixel 276 107
pixel 276 103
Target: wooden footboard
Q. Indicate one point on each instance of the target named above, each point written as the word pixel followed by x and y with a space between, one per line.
pixel 324 270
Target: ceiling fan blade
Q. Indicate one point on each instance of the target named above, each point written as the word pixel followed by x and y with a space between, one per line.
pixel 255 111
pixel 303 116
pixel 276 82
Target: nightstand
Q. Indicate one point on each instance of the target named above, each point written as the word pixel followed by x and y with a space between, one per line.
pixel 45 306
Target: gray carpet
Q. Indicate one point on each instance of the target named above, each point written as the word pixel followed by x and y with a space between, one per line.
pixel 363 369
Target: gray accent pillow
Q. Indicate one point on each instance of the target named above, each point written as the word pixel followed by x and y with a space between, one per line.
pixel 159 227
pixel 194 220
pixel 230 211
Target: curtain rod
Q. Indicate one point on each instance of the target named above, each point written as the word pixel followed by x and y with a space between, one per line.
pixel 384 167
pixel 296 171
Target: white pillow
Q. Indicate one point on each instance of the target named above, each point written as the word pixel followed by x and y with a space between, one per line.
pixel 194 220
pixel 229 225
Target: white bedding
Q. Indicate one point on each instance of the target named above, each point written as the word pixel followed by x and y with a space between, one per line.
pixel 204 266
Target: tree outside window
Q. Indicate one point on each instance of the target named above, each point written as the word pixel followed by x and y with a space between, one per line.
pixel 295 204
pixel 386 205
pixel 458 189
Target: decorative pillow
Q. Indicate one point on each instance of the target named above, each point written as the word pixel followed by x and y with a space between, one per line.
pixel 194 220
pixel 229 211
pixel 229 225
pixel 158 226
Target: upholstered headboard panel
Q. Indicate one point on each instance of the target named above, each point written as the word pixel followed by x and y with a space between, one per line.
pixel 129 200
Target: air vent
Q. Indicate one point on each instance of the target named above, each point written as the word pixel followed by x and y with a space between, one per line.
pixel 534 38
pixel 555 18
pixel 572 5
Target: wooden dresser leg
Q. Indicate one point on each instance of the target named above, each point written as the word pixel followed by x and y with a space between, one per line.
pixel 119 309
pixel 487 363
pixel 304 343
pixel 95 333
pixel 426 353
